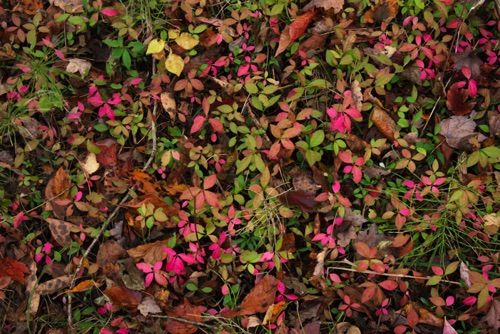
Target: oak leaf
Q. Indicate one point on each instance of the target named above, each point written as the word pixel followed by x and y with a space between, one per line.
pixel 336 5
pixel 148 306
pixel 457 129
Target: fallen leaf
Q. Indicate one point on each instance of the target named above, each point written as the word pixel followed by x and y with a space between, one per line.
pixel 71 6
pixel 295 30
pixel 303 180
pixel 299 198
pixel 456 129
pixel 30 7
pixel 13 269
pixel 493 316
pixel 185 311
pixel 357 95
pixel 83 286
pixel 109 252
pixel 469 59
pixel 123 297
pixel 53 285
pixel 90 164
pixel 156 45
pixel 456 100
pixel 384 122
pixel 383 11
pixel 273 312
pixel 148 306
pixel 258 299
pixel 168 103
pixel 336 5
pixel 109 148
pixel 174 64
pixel 448 328
pixel 144 182
pixel 57 189
pixel 78 65
pixel 151 253
pixel 491 223
pixel 60 231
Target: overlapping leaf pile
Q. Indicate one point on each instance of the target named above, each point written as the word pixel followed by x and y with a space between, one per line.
pixel 274 166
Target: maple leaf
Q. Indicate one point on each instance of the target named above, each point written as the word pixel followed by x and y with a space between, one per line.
pixel 13 269
pixel 294 30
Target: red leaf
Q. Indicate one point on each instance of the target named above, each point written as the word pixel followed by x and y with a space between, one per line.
pixel 299 198
pixel 294 30
pixel 109 12
pixel 456 100
pixel 388 285
pixel 209 181
pixel 13 269
pixel 197 124
pixel 216 125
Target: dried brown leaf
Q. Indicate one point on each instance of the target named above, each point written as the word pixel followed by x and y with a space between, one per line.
pixel 493 315
pixel 456 100
pixel 60 230
pixel 151 253
pixel 54 285
pixel 384 122
pixel 456 129
pixel 295 30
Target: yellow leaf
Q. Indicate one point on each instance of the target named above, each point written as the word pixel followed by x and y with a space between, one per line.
pixel 173 34
pixel 186 41
pixel 155 46
pixel 174 64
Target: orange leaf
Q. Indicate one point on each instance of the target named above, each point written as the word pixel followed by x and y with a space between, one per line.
pixel 144 182
pixel 384 122
pixel 295 30
pixel 383 11
pixel 83 286
pixel 123 297
pixel 186 311
pixel 273 312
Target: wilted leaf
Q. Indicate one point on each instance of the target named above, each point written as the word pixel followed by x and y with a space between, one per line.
pixel 148 306
pixel 57 189
pixel 336 5
pixel 295 30
pixel 186 41
pixel 186 311
pixel 357 96
pixel 491 223
pixel 83 286
pixel 456 100
pixel 464 274
pixel 90 164
pixel 78 65
pixel 384 122
pixel 107 156
pixel 168 103
pixel 273 312
pixel 468 59
pixel 123 297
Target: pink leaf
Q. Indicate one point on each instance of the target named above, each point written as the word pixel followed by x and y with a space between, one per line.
pixel 216 125
pixel 346 157
pixel 109 12
pixel 209 181
pixel 197 124
pixel 19 218
pixel 388 285
pixel 448 329
pixel 437 270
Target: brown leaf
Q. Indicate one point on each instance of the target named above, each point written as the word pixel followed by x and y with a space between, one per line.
pixel 303 180
pixel 109 149
pixel 57 192
pixel 273 312
pixel 493 315
pixel 83 286
pixel 468 59
pixel 316 41
pixel 60 231
pixel 357 95
pixel 258 299
pixel 456 129
pixel 184 311
pixel 148 306
pixel 336 5
pixel 109 252
pixel 123 297
pixel 384 122
pixel 168 103
pixel 383 11
pixel 54 285
pixel 30 7
pixel 144 182
pixel 151 253
pixel 13 269
pixel 456 100
pixel 295 30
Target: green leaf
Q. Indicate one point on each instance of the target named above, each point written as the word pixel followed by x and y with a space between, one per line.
pixel 101 127
pixel 191 287
pixel 317 138
pixel 243 164
pixel 434 280
pixel 251 88
pixel 346 59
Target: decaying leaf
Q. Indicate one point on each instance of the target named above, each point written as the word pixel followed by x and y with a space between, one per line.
pixel 148 306
pixel 90 164
pixel 493 315
pixel 83 286
pixel 53 285
pixel 60 230
pixel 357 95
pixel 273 312
pixel 78 65
pixel 336 5
pixel 384 122
pixel 168 103
pixel 57 189
pixel 491 223
pixel 123 297
pixel 458 128
pixel 469 59
pixel 186 311
pixel 107 156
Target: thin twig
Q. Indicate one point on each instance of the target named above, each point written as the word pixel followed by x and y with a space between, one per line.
pixel 112 215
pixel 371 272
pixel 196 323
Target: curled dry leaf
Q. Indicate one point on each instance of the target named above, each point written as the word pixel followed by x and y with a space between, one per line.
pixel 123 297
pixel 78 65
pixel 151 253
pixel 90 164
pixel 384 122
pixel 357 95
pixel 273 312
pixel 148 306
